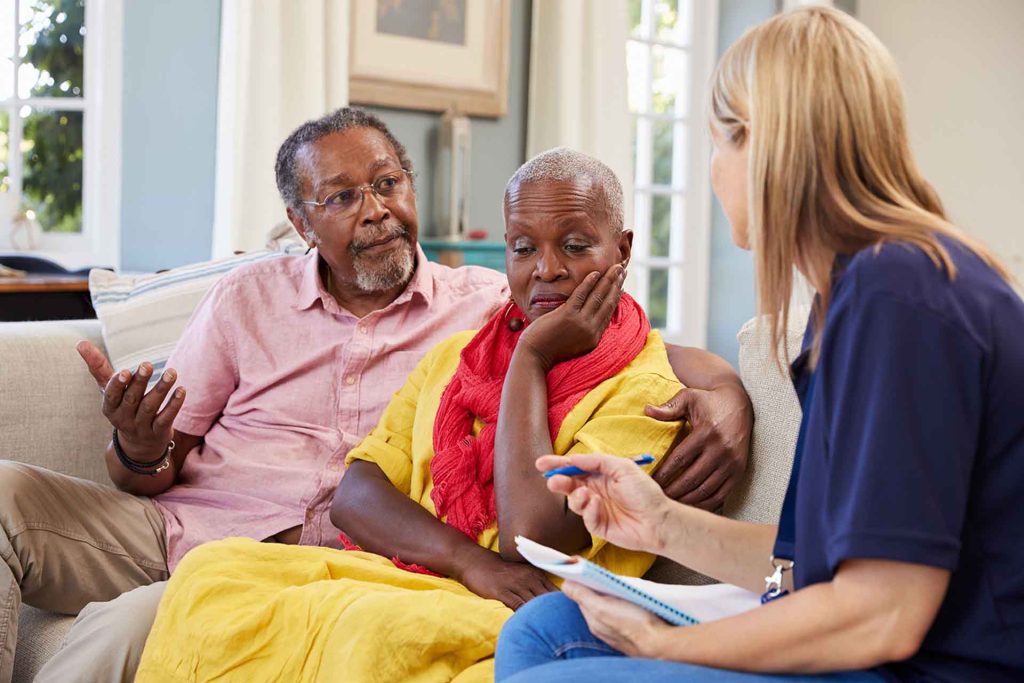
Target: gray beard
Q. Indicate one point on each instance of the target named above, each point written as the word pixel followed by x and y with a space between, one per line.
pixel 380 273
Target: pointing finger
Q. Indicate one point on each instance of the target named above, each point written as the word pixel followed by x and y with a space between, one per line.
pixel 99 366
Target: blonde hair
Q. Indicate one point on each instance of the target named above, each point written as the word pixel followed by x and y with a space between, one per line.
pixel 818 99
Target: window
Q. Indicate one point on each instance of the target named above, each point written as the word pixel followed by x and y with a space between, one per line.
pixel 59 131
pixel 669 55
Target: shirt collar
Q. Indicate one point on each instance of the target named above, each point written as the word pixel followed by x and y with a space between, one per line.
pixel 311 288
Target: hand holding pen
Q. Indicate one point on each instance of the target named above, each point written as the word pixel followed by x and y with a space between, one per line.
pixel 573 471
pixel 617 500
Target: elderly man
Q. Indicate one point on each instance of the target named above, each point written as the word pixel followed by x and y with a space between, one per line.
pixel 287 364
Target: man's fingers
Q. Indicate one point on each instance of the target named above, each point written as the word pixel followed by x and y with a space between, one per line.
pixel 113 392
pixel 676 408
pixel 710 493
pixel 164 420
pixel 680 458
pixel 154 398
pixel 136 388
pixel 99 366
pixel 702 479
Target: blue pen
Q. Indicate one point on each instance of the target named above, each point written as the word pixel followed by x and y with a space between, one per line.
pixel 573 471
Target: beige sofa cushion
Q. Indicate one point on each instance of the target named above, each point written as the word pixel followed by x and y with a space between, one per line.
pixel 758 498
pixel 777 416
pixel 40 635
pixel 49 404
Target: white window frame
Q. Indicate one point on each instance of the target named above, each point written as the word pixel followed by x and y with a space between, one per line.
pixel 686 319
pixel 99 242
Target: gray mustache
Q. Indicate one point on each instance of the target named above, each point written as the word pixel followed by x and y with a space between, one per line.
pixel 379 233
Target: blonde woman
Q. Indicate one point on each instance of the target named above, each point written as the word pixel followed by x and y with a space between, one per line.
pixel 904 513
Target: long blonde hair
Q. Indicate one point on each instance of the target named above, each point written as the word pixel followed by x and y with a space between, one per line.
pixel 818 99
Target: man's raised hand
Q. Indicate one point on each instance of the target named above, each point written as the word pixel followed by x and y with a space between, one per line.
pixel 144 429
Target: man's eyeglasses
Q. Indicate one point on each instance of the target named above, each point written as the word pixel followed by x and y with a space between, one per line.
pixel 344 203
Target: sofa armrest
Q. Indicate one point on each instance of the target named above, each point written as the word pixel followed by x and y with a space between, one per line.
pixel 777 416
pixel 49 406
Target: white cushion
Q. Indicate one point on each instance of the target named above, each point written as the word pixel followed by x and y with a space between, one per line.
pixel 144 315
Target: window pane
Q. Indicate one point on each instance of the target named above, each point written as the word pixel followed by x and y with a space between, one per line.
pixel 52 43
pixel 662 162
pixel 636 14
pixel 672 20
pixel 661 224
pixel 5 181
pixel 6 50
pixel 665 16
pixel 657 302
pixel 638 57
pixel 671 81
pixel 52 148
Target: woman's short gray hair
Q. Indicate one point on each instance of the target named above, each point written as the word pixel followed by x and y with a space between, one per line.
pixel 564 164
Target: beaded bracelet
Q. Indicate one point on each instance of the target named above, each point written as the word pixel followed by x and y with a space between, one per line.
pixel 148 468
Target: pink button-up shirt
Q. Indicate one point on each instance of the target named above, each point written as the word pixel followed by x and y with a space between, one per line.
pixel 282 382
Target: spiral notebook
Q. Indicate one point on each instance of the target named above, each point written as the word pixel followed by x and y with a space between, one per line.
pixel 678 605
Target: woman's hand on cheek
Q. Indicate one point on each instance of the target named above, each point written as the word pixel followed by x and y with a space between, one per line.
pixel 575 328
pixel 629 629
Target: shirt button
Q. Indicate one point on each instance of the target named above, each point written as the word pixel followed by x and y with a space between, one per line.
pixel 310 515
pixel 350 380
pixel 362 329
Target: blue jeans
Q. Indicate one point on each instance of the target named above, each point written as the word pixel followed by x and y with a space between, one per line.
pixel 548 640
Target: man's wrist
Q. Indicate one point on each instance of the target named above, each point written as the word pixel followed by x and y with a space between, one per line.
pixel 144 464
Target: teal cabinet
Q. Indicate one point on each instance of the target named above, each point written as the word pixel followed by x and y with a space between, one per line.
pixel 466 252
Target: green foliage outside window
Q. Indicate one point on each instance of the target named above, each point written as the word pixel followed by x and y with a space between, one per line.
pixel 52 144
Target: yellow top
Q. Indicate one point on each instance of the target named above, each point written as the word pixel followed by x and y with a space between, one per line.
pixel 609 419
pixel 238 610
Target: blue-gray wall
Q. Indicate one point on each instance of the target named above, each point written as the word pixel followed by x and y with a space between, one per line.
pixel 498 145
pixel 731 289
pixel 170 122
pixel 169 132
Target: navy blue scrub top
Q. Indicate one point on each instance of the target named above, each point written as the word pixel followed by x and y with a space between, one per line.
pixel 914 449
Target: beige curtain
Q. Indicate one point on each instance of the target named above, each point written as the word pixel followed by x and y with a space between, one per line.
pixel 281 63
pixel 578 84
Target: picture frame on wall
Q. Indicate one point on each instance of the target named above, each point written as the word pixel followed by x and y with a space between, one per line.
pixel 433 55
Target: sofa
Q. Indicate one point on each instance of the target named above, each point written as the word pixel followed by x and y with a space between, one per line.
pixel 50 416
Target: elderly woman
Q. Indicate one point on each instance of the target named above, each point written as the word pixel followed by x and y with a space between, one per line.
pixel 446 480
pixel 903 519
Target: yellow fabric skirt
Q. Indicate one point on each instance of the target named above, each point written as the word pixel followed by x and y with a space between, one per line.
pixel 239 610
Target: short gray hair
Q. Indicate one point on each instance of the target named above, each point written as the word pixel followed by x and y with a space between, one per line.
pixel 563 164
pixel 338 121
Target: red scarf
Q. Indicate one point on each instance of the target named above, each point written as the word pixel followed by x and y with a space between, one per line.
pixel 463 465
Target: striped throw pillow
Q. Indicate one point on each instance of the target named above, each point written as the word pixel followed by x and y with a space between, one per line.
pixel 143 316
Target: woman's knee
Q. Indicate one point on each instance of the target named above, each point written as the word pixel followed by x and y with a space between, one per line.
pixel 541 617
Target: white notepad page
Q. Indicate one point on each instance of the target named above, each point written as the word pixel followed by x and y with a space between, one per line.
pixel 703 603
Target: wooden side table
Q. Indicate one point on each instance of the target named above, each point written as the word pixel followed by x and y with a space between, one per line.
pixel 45 297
